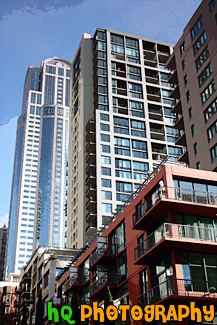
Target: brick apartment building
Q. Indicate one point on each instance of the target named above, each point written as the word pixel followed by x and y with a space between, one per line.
pixel 160 250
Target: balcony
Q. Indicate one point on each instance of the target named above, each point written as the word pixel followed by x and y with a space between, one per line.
pixel 91 126
pixel 184 157
pixel 91 180
pixel 181 141
pixel 25 294
pixel 103 255
pixel 169 235
pixel 150 60
pixel 30 300
pixel 173 78
pixel 177 108
pixel 174 198
pixel 26 277
pixel 91 203
pixel 91 216
pixel 91 228
pixel 91 156
pixel 98 288
pixel 180 288
pixel 157 133
pixel 179 124
pixel 90 191
pixel 175 93
pixel 73 281
pixel 91 145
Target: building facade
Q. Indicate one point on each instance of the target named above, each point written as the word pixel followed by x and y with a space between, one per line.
pixel 40 165
pixel 7 298
pixel 194 62
pixel 37 283
pixel 3 250
pixel 121 125
pixel 160 250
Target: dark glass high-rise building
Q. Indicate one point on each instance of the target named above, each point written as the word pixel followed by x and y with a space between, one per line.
pixel 39 179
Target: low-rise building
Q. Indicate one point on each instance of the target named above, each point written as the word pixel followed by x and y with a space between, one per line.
pixel 161 249
pixel 7 297
pixel 37 282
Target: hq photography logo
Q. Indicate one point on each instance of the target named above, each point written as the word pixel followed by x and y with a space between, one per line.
pixel 149 313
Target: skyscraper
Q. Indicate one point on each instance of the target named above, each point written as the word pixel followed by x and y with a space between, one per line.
pixel 39 178
pixel 194 62
pixel 121 125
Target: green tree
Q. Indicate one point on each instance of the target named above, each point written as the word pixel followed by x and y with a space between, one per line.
pixel 75 309
pixel 39 310
pixel 107 302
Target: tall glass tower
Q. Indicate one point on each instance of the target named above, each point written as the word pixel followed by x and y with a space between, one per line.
pixel 39 179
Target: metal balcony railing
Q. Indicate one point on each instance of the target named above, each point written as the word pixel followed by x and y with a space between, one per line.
pixel 175 193
pixel 175 231
pixel 105 279
pixel 179 287
pixel 105 249
pixel 70 282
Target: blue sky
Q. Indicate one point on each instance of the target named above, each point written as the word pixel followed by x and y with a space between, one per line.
pixel 31 31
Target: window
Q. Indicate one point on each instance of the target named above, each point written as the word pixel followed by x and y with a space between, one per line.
pixel 104 127
pixel 106 195
pixel 195 148
pixel 139 145
pixel 117 49
pixel 213 153
pixel 199 43
pixel 207 93
pixel 117 39
pixel 105 137
pixel 198 165
pixel 122 142
pixel 199 269
pixel 195 30
pixel 124 187
pixel 106 183
pixel 105 148
pixel 192 130
pixel 121 121
pixel 202 58
pixel 140 166
pixel 50 69
pixel 190 112
pixel 210 110
pixel 60 71
pixel 106 171
pixel 105 160
pixel 104 117
pixel 185 80
pixel 183 65
pixel 117 238
pixel 123 164
pixel 132 42
pixel 206 73
pixel 107 207
pixel 139 126
pixel 182 48
pixel 188 96
pixel 212 131
pixel 212 5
